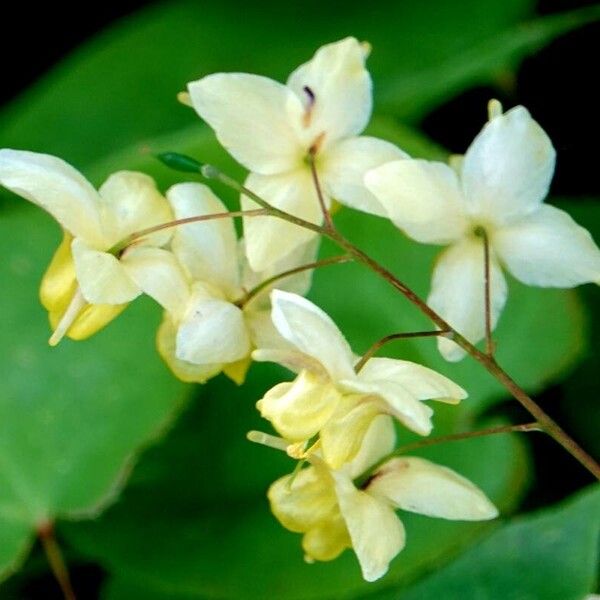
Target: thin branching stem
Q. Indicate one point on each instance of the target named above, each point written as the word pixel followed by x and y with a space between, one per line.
pixel 333 260
pixel 489 342
pixel 397 336
pixel 315 177
pixel 443 439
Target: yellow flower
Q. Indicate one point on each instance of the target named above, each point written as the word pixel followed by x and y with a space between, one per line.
pixel 325 505
pixel 86 285
pixel 328 398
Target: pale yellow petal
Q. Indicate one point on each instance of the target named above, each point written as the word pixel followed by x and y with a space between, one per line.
pixel 328 540
pixel 420 486
pixel 253 118
pixel 101 277
pixel 298 410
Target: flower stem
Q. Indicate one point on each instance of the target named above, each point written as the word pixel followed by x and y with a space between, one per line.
pixel 55 559
pixel 333 260
pixel 453 437
pixel 118 249
pixel 315 177
pixel 487 361
pixel 397 336
pixel 489 342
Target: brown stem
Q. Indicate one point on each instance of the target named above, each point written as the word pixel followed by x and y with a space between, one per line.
pixel 315 177
pixel 396 336
pixel 136 235
pixel 55 559
pixel 453 437
pixel 488 362
pixel 334 260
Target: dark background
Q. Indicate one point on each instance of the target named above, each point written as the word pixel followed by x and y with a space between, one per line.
pixel 559 85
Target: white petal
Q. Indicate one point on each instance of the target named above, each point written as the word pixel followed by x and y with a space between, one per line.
pixel 422 198
pixel 376 532
pixel 379 441
pixel 313 333
pixel 166 343
pixel 508 168
pixel 270 239
pixel 547 248
pixel 345 164
pixel 393 399
pixel 57 187
pixel 420 486
pixel 102 278
pixel 458 293
pixel 419 381
pixel 208 250
pixel 298 283
pixel 253 117
pixel 290 359
pixel 131 202
pixel 158 274
pixel 340 85
pixel 213 331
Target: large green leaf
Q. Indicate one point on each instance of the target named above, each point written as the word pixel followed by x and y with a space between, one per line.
pixel 72 417
pixel 120 88
pixel 552 555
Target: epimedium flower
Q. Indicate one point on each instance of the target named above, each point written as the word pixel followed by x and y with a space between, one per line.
pixel 276 131
pixel 496 193
pixel 328 398
pixel 336 509
pixel 86 284
pixel 202 283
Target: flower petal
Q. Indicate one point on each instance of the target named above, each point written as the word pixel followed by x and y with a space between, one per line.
pixel 270 239
pixel 303 500
pixel 313 333
pixel 420 486
pixel 158 274
pixel 327 540
pixel 419 381
pixel 394 400
pixel 377 443
pixel 339 100
pixel 298 410
pixel 208 250
pixel 56 187
pixel 508 168
pixel 376 532
pixel 101 276
pixel 130 202
pixel 547 248
pixel 458 293
pixel 253 118
pixel 422 198
pixel 213 331
pixel 290 359
pixel 345 164
pixel 166 342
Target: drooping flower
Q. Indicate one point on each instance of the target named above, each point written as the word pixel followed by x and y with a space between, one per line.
pixel 328 398
pixel 495 192
pixel 333 513
pixel 87 285
pixel 276 131
pixel 207 328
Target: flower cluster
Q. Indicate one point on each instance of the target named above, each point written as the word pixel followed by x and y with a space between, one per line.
pixel 302 146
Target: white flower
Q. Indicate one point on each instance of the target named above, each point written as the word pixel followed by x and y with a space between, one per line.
pixel 333 514
pixel 274 130
pixel 86 285
pixel 498 188
pixel 328 398
pixel 200 284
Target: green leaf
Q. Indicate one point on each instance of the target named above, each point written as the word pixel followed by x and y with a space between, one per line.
pixel 71 417
pixel 552 554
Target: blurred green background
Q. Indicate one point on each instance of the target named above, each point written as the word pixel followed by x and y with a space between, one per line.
pixel 155 491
